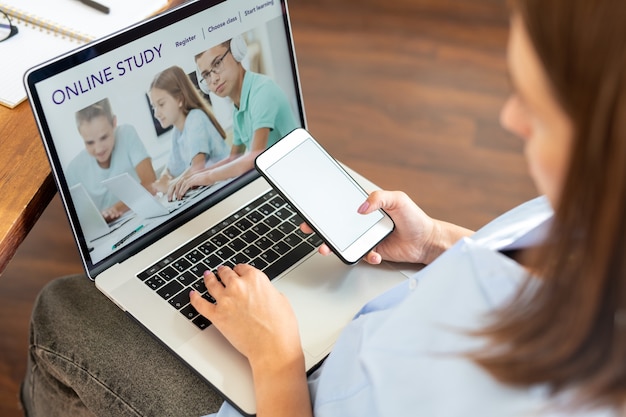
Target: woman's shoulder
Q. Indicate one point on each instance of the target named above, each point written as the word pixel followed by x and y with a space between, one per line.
pixel 529 220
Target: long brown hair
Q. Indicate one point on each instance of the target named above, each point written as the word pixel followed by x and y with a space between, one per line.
pixel 178 85
pixel 570 331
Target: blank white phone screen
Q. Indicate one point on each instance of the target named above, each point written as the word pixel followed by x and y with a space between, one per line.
pixel 324 193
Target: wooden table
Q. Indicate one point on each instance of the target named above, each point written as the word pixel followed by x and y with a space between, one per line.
pixel 26 184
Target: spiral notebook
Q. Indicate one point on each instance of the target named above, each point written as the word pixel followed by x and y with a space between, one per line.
pixel 50 28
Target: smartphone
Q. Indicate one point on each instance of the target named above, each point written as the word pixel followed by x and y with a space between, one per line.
pixel 324 194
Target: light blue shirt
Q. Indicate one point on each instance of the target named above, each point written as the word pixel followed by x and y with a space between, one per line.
pixel 128 152
pixel 403 353
pixel 199 135
pixel 263 105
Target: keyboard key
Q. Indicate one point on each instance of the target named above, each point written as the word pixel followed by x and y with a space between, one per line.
pixel 219 240
pixel 181 299
pixel 181 265
pixel 240 258
pixel 296 220
pixel 281 248
pixel 275 235
pixel 314 240
pixel 272 221
pixel 202 322
pixel 168 273
pixel 187 278
pixel 254 217
pixel 258 263
pixel 207 248
pixel 244 224
pixel 169 290
pixel 251 251
pixel 249 236
pixel 231 232
pixel 288 260
pixel 199 286
pixel 269 256
pixel 292 240
pixel 266 209
pixel 260 229
pixel 198 270
pixel 149 272
pixel 189 312
pixel 155 282
pixel 263 243
pixel 237 244
pixel 194 256
pixel 277 201
pixel 287 227
pixel 212 262
pixel 225 252
pixel 283 214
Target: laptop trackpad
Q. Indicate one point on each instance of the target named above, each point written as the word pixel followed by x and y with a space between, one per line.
pixel 326 294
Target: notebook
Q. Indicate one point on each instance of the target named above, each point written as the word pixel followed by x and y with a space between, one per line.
pixel 148 265
pixel 49 28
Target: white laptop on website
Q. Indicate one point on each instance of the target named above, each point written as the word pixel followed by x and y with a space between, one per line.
pixel 148 265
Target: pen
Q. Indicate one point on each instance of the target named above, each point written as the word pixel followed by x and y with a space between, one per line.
pixel 98 6
pixel 125 238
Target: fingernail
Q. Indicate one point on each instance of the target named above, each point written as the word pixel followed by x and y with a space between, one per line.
pixel 363 207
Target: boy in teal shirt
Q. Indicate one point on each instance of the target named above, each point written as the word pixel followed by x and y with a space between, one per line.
pixel 261 114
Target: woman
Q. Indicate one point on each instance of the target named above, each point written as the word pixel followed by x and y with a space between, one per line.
pixel 526 316
pixel 565 329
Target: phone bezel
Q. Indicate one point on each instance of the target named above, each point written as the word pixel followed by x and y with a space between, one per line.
pixel 362 245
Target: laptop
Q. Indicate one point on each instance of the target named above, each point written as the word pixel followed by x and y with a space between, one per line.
pixel 148 266
pixel 139 199
pixel 93 224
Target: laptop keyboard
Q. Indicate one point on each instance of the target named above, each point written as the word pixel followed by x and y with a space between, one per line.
pixel 264 234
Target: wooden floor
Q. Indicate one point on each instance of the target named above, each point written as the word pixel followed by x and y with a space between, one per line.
pixel 407 92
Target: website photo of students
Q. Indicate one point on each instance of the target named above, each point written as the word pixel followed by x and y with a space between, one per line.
pixel 261 111
pixel 110 150
pixel 198 139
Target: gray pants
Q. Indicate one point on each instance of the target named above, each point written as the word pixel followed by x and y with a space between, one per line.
pixel 88 358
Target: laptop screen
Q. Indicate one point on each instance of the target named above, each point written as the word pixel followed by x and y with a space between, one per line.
pixel 131 115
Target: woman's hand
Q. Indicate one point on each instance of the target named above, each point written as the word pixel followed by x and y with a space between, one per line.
pixel 417 238
pixel 259 322
pixel 251 313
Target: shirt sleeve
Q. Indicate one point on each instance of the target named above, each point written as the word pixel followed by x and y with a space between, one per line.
pixel 263 105
pixel 199 132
